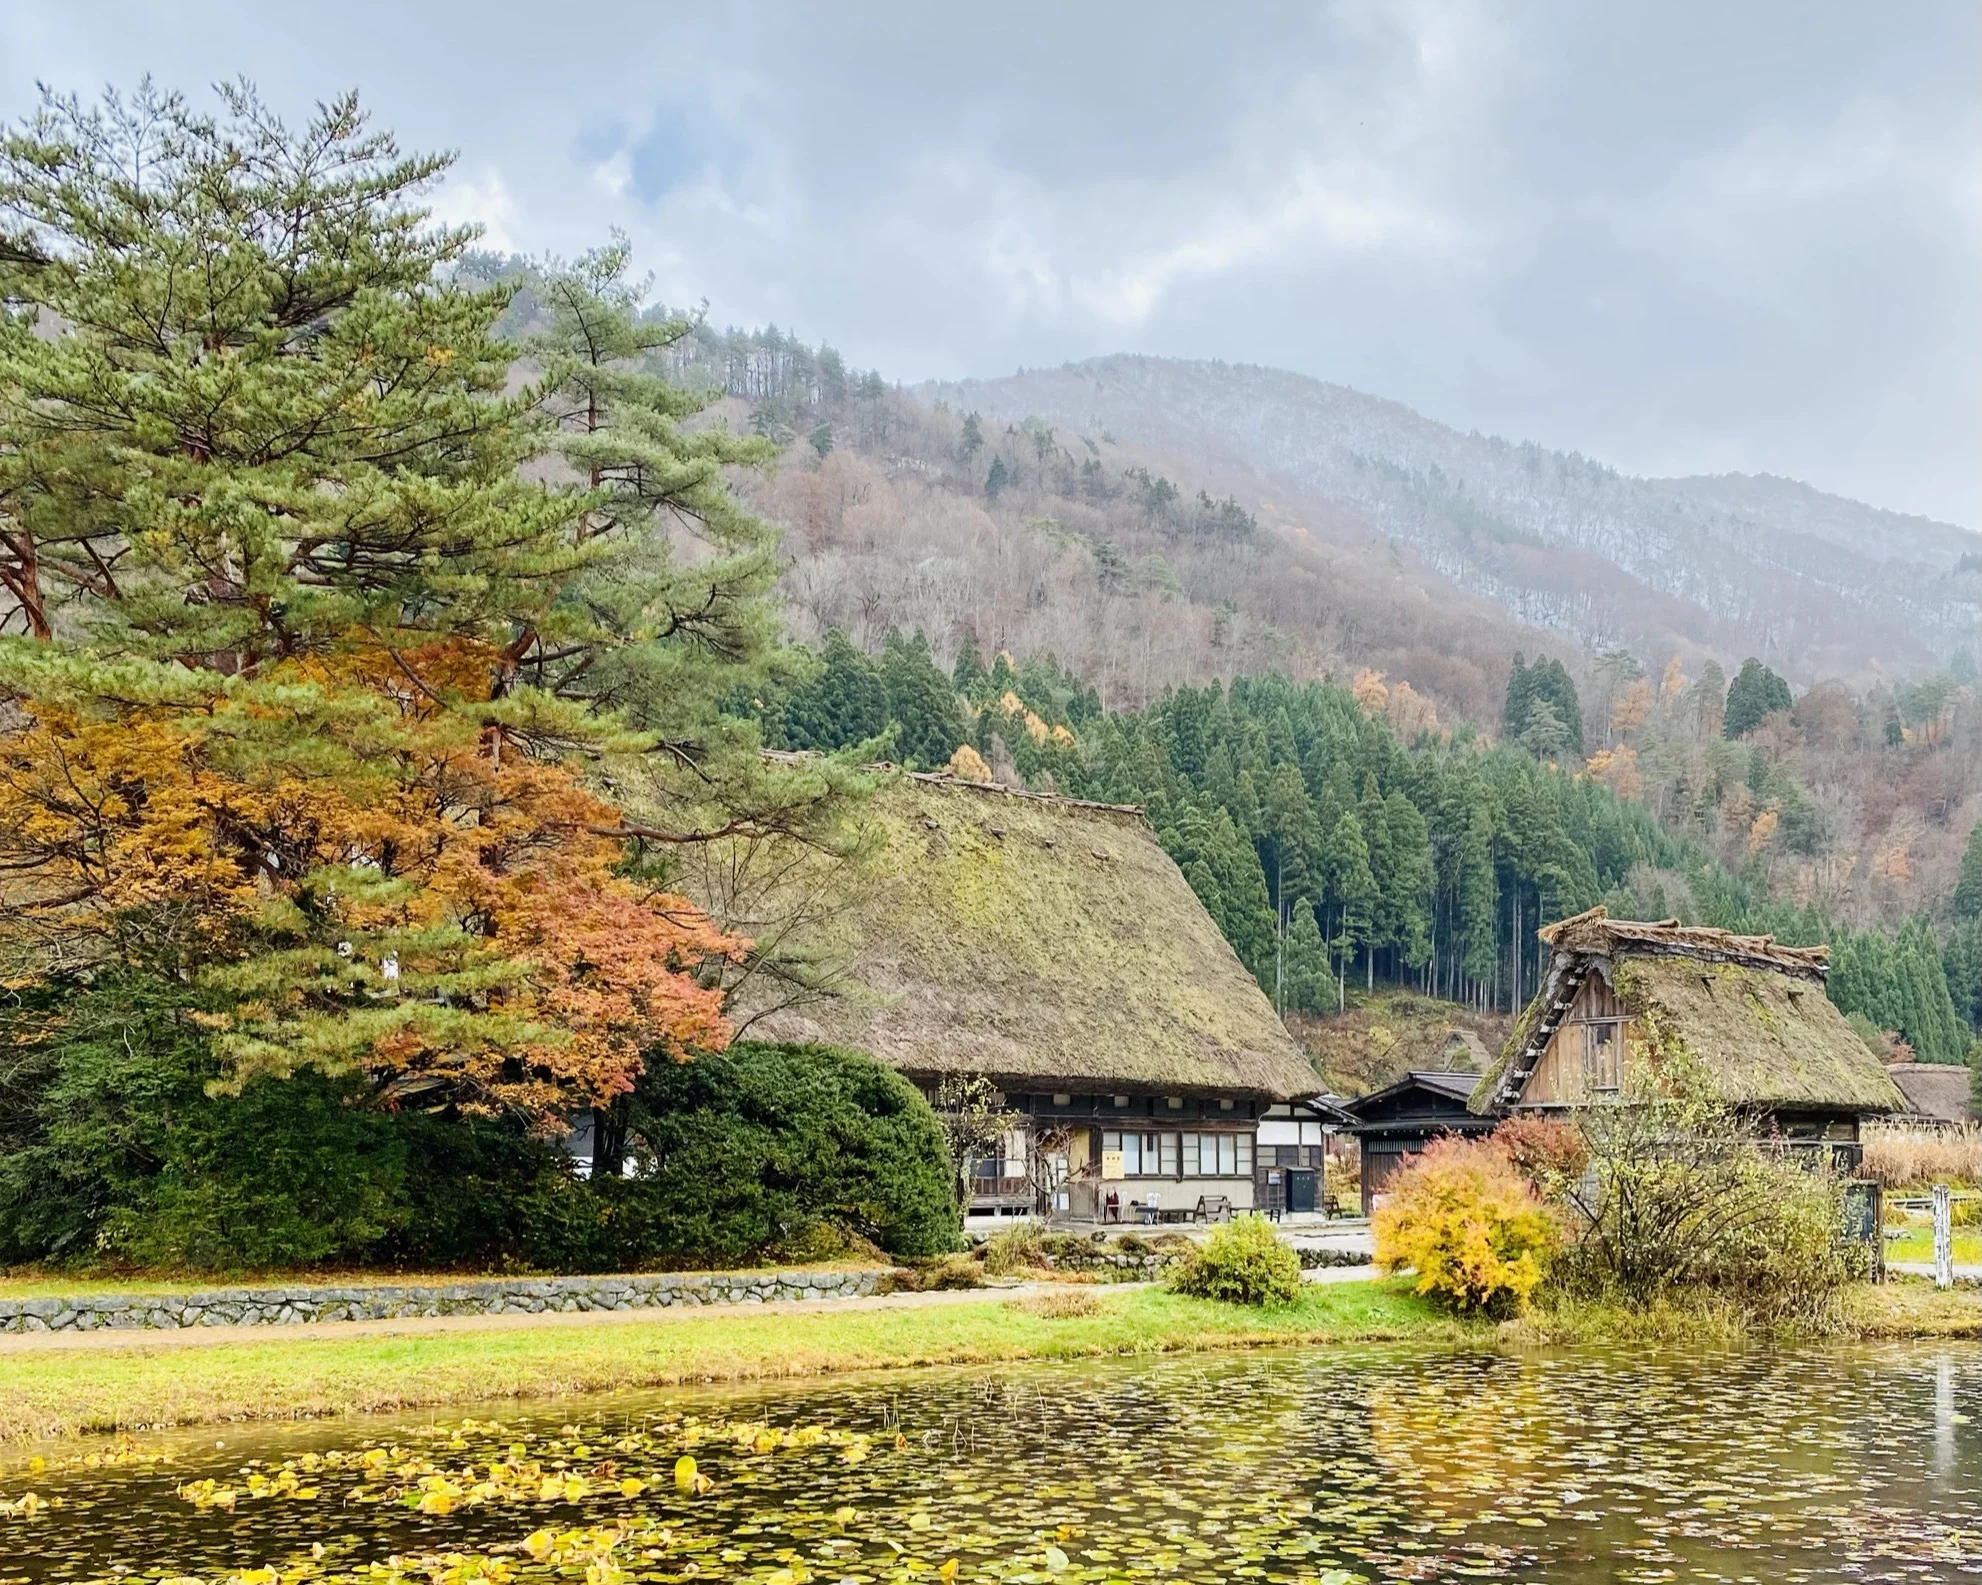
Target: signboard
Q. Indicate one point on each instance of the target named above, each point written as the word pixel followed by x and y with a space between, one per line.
pixel 1111 1165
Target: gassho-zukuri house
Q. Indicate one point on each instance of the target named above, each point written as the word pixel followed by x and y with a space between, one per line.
pixel 1051 947
pixel 1753 1016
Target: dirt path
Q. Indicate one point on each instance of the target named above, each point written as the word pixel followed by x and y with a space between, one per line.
pixel 419 1326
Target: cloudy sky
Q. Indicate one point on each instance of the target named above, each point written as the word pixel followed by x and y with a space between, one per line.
pixel 1678 236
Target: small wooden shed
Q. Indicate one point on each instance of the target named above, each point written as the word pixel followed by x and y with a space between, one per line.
pixel 1393 1124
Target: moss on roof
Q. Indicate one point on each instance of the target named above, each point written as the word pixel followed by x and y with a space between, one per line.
pixel 1754 1016
pixel 1762 1038
pixel 1039 940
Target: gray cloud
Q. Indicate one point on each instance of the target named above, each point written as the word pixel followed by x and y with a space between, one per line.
pixel 1680 237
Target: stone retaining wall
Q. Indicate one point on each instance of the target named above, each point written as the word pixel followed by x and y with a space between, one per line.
pixel 1118 1266
pixel 491 1296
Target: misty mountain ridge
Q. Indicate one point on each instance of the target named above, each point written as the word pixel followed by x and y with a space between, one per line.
pixel 1728 565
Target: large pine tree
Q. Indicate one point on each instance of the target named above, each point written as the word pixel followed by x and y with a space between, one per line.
pixel 302 652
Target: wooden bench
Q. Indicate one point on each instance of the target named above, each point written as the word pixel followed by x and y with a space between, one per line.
pixel 1213 1208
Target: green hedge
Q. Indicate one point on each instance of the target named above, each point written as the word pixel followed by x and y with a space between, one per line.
pixel 112 1151
pixel 762 1144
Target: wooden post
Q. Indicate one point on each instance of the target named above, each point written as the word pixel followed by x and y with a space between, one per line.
pixel 1943 1237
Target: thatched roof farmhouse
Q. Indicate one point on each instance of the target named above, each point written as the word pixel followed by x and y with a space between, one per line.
pixel 1750 1013
pixel 1936 1092
pixel 1052 946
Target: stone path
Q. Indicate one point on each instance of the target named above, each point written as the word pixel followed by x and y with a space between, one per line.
pixel 1925 1268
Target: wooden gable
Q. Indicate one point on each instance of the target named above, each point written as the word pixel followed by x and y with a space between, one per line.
pixel 1585 1054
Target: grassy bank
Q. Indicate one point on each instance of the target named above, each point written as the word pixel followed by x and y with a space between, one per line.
pixel 1917 1243
pixel 1896 1310
pixel 71 1391
pixel 77 1390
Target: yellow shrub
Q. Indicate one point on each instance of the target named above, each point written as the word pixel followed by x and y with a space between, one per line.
pixel 1475 1231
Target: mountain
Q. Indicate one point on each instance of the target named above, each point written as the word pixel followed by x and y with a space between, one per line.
pixel 1726 566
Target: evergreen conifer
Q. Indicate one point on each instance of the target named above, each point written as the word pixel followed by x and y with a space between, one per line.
pixel 1755 694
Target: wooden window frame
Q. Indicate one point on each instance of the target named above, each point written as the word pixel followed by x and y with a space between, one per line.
pixel 1592 1078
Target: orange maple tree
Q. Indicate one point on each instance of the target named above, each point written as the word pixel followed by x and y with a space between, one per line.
pixel 362 876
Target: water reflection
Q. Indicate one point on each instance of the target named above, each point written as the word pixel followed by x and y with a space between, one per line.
pixel 1573 1466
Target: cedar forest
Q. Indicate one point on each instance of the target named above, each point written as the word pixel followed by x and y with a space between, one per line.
pixel 382 623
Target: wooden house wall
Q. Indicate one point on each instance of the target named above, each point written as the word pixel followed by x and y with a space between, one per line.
pixel 1558 1076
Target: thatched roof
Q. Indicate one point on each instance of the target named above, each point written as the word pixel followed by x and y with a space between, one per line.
pixel 1753 1015
pixel 1596 934
pixel 1938 1090
pixel 1040 941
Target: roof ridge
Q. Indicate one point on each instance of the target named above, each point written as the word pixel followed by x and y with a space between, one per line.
pixel 1594 930
pixel 944 778
pixel 938 778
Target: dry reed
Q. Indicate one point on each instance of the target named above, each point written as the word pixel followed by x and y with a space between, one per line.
pixel 1904 1156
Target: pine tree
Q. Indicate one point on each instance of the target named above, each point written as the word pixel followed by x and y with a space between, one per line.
pixel 1289 838
pixel 672 614
pixel 843 704
pixel 1477 898
pixel 1411 879
pixel 1546 735
pixel 996 481
pixel 1541 711
pixel 1520 694
pixel 255 443
pixel 1549 680
pixel 1933 1026
pixel 1248 920
pixel 1386 910
pixel 1961 967
pixel 968 676
pixel 1352 889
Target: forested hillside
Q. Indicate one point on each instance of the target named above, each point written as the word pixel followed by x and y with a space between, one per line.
pixel 1815 585
pixel 923 537
pixel 1330 853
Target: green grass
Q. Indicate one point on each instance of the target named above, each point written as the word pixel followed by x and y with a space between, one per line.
pixel 71 1391
pixel 1917 1243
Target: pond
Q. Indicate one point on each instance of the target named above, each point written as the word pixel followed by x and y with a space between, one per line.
pixel 1573 1466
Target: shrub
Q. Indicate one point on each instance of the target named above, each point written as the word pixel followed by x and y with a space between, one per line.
pixel 1066 1305
pixel 749 1147
pixel 1681 1203
pixel 1020 1248
pixel 1243 1262
pixel 111 1149
pixel 1475 1230
pixel 947 1272
pixel 1547 1151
